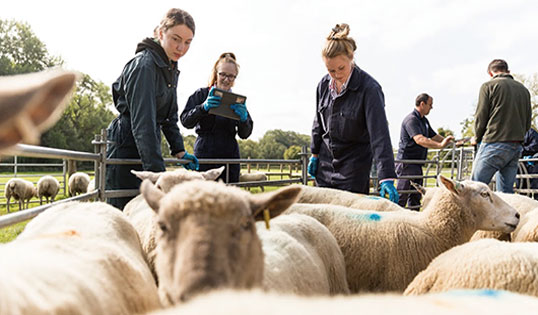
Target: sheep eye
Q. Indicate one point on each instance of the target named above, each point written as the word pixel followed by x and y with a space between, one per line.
pixel 246 225
pixel 163 227
pixel 484 194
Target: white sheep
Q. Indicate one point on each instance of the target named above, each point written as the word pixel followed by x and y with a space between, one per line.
pixel 78 183
pixel 522 204
pixel 76 258
pixel 527 229
pixel 385 250
pixel 301 256
pixel 21 190
pixel 207 238
pixel 144 219
pixel 483 264
pixel 461 302
pixel 48 187
pixel 311 194
pixel 253 177
pixel 31 103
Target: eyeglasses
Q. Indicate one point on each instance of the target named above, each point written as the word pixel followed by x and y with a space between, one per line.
pixel 227 76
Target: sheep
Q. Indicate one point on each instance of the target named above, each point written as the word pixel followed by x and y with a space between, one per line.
pixel 253 177
pixel 310 194
pixel 31 103
pixel 76 258
pixel 21 190
pixel 144 219
pixel 483 264
pixel 385 250
pixel 461 302
pixel 78 183
pixel 48 187
pixel 207 238
pixel 527 229
pixel 301 256
pixel 522 204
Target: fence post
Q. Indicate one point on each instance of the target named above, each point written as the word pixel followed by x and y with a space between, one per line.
pixel 304 165
pixel 96 164
pixel 64 172
pixel 15 165
pixel 102 165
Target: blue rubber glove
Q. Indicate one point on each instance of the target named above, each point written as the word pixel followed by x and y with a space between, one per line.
pixel 387 187
pixel 241 111
pixel 212 101
pixel 191 165
pixel 313 166
pixel 526 157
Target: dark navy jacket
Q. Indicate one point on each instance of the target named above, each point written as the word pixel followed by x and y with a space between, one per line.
pixel 348 131
pixel 216 134
pixel 530 143
pixel 145 95
pixel 413 125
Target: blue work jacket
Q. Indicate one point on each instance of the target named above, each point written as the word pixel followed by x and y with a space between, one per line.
pixel 348 131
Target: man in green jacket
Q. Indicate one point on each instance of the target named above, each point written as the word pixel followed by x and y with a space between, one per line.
pixel 503 116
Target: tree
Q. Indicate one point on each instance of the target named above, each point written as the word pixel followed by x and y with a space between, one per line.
pixel 249 149
pixel 275 142
pixel 292 153
pixel 531 83
pixel 445 132
pixel 21 51
pixel 85 115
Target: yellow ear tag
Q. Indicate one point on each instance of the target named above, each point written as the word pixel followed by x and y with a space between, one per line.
pixel 266 217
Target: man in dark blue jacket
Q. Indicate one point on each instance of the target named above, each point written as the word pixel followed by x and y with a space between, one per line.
pixel 530 150
pixel 416 136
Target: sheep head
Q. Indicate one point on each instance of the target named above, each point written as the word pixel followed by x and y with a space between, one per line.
pixel 166 180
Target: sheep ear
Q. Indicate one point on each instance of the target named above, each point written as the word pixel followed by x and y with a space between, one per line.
pixel 276 201
pixel 212 174
pixel 419 188
pixel 152 194
pixel 453 186
pixel 152 176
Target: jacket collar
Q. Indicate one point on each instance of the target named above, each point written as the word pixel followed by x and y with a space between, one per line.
pixel 355 80
pixel 502 75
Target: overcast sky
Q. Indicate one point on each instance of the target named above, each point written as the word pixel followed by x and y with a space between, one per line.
pixel 438 47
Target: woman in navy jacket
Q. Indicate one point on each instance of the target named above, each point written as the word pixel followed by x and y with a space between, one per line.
pixel 216 134
pixel 145 95
pixel 350 126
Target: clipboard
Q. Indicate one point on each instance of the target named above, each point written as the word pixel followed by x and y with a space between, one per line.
pixel 227 99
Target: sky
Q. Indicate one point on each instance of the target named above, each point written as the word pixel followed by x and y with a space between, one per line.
pixel 410 47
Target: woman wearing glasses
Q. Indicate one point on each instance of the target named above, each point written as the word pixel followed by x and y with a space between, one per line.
pixel 145 95
pixel 350 127
pixel 216 134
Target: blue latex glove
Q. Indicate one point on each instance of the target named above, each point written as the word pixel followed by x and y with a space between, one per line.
pixel 191 165
pixel 313 166
pixel 241 111
pixel 212 101
pixel 528 157
pixel 387 187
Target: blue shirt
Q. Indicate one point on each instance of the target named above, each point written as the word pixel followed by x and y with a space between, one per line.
pixel 413 125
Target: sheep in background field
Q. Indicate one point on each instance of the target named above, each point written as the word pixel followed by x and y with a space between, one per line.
pixel 385 250
pixel 144 219
pixel 78 183
pixel 483 264
pixel 76 258
pixel 208 238
pixel 301 256
pixel 21 190
pixel 461 302
pixel 310 194
pixel 31 103
pixel 253 177
pixel 48 187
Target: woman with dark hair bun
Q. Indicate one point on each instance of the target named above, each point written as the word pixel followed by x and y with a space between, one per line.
pixel 145 95
pixel 350 127
pixel 216 134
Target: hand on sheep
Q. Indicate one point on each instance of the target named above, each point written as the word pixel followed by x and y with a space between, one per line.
pixel 212 101
pixel 191 165
pixel 241 111
pixel 313 166
pixel 387 187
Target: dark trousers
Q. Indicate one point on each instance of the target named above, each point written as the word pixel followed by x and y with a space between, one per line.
pixel 407 199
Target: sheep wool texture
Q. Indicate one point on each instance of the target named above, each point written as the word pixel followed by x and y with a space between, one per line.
pixel 484 264
pixel 76 258
pixel 301 256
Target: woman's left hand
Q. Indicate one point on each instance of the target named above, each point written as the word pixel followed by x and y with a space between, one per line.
pixel 241 111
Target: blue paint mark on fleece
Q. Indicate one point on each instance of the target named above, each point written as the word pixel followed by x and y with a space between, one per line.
pixel 364 216
pixel 373 197
pixel 482 292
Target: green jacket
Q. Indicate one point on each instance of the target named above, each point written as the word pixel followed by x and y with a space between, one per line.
pixel 504 110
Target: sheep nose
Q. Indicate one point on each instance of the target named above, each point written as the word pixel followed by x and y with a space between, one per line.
pixel 517 215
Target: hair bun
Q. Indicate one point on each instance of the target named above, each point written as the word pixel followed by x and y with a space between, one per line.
pixel 340 31
pixel 227 55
